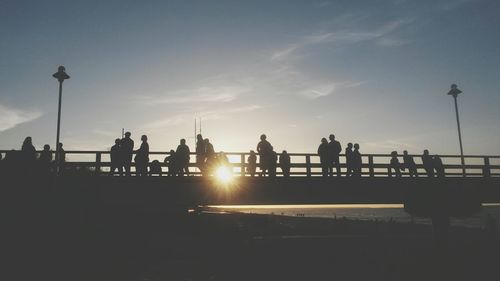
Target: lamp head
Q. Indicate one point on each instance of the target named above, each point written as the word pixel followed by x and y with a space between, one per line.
pixel 454 91
pixel 61 74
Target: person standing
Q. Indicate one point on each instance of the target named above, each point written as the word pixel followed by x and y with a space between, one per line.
pixel 348 160
pixel 28 153
pixel 285 163
pixel 45 159
pixel 438 166
pixel 209 156
pixel 265 150
pixel 334 148
pixel 252 163
pixel 116 160
pixel 127 151
pixel 182 158
pixel 395 165
pixel 142 157
pixel 323 157
pixel 200 152
pixel 409 163
pixel 357 162
pixel 428 164
pixel 171 165
pixel 61 159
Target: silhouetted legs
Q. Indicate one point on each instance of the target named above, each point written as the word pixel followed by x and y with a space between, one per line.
pixel 116 166
pixel 334 164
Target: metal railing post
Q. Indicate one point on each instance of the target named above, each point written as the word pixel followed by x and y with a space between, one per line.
pixel 98 163
pixel 486 168
pixel 242 165
pixel 308 165
pixel 371 170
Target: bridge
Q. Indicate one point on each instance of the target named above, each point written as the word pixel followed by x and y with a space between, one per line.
pixel 87 176
pixel 302 164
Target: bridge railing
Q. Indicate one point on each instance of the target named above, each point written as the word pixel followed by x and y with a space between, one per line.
pixel 302 164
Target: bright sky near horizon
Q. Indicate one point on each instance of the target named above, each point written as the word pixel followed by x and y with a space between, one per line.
pixel 373 72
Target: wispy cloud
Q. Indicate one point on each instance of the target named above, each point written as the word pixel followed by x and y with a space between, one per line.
pixel 201 94
pixel 319 91
pixel 11 117
pixel 345 36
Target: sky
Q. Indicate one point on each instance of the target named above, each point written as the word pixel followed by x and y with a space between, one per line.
pixel 371 72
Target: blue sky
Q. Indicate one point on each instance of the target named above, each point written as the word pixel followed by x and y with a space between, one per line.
pixel 373 72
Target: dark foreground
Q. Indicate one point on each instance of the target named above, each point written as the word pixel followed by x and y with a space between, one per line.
pixel 61 242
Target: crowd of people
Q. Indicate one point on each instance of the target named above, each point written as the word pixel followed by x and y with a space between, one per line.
pixel 433 165
pixel 207 160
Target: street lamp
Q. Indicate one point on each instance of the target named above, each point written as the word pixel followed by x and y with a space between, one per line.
pixel 454 91
pixel 60 75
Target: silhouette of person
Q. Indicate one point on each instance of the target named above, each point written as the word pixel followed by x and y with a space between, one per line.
pixel 45 158
pixel 200 152
pixel 155 168
pixel 395 165
pixel 252 163
pixel 324 158
pixel 61 158
pixel 273 158
pixel 265 150
pixel 171 165
pixel 285 163
pixel 142 157
pixel 438 166
pixel 209 155
pixel 348 160
pixel 127 151
pixel 334 148
pixel 116 158
pixel 357 161
pixel 182 158
pixel 28 152
pixel 409 163
pixel 428 164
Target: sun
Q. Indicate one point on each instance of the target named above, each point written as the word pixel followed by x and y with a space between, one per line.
pixel 223 174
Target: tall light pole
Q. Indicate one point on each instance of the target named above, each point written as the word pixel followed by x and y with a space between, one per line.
pixel 60 75
pixel 455 92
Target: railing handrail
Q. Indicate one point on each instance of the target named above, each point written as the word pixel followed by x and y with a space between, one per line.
pixel 278 153
pixel 372 164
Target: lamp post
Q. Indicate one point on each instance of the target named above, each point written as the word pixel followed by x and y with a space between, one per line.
pixel 60 75
pixel 454 91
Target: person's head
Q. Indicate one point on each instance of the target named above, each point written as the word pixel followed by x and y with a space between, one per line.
pixel 426 152
pixel 207 141
pixel 263 137
pixel 199 137
pixel 405 152
pixel 27 140
pixel 60 145
pixel 144 138
pixel 172 152
pixel 356 146
pixel 323 140
pixel 332 137
pixel 127 135
pixel 284 152
pixel 183 141
pixel 394 154
pixel 252 152
pixel 46 147
pixel 117 141
pixel 349 145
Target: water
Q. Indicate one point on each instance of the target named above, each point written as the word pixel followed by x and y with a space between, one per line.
pixel 381 212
